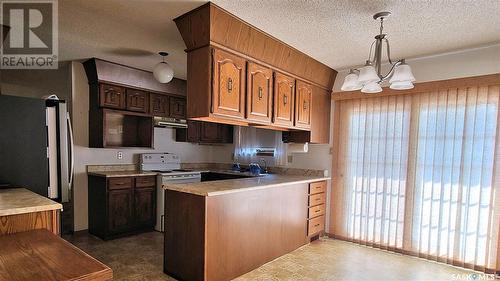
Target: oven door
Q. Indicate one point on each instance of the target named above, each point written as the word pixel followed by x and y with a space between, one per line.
pixel 160 196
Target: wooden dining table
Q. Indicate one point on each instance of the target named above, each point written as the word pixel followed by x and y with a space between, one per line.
pixel 42 255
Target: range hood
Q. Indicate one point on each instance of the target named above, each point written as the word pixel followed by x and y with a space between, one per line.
pixel 166 122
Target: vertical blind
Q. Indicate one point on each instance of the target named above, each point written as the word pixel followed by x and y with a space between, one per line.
pixel 419 174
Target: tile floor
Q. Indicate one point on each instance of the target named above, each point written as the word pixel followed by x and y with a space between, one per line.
pixel 140 257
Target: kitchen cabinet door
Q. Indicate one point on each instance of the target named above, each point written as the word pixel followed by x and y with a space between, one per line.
pixel 145 206
pixel 284 98
pixel 303 105
pixel 228 90
pixel 210 132
pixel 259 93
pixel 159 105
pixel 193 131
pixel 111 96
pixel 178 107
pixel 137 101
pixel 120 210
pixel 205 132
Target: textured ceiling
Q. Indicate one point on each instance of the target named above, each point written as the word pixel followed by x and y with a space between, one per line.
pixel 129 32
pixel 337 33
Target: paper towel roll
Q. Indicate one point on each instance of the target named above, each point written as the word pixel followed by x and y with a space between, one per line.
pixel 298 148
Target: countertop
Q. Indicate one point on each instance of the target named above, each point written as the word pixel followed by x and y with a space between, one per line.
pixel 15 201
pixel 112 174
pixel 41 255
pixel 212 188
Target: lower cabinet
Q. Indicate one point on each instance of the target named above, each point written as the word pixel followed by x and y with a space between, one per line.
pixel 121 205
pixel 120 216
pixel 144 206
pixel 316 203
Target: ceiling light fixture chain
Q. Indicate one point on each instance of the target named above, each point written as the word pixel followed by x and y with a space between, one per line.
pixel 369 77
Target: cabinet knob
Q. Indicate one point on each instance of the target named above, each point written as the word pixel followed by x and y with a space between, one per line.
pixel 260 93
pixel 285 99
pixel 305 105
pixel 229 85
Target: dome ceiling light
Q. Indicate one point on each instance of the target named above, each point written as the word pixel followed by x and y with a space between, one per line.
pixel 369 77
pixel 163 72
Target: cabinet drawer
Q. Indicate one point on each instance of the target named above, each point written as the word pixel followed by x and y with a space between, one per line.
pixel 317 187
pixel 316 211
pixel 146 181
pixel 315 225
pixel 120 183
pixel 316 199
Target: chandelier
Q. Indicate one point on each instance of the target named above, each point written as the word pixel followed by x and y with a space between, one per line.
pixel 369 77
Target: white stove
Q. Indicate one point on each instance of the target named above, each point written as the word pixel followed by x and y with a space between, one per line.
pixel 168 167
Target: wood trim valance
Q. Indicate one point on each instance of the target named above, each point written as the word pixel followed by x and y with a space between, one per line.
pixel 211 25
pixel 423 87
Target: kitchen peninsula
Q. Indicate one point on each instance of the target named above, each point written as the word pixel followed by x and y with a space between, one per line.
pixel 31 246
pixel 219 230
pixel 23 210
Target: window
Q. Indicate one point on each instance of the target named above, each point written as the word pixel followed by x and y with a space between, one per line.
pixel 418 175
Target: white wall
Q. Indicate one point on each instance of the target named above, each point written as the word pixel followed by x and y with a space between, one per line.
pixel 164 140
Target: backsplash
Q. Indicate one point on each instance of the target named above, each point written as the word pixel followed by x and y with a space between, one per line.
pixel 212 166
pixel 113 167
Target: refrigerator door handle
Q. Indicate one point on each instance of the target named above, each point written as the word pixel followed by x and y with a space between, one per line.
pixel 72 148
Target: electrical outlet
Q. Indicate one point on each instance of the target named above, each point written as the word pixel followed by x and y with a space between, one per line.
pixel 119 155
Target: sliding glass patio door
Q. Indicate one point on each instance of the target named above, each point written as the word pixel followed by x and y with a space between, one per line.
pixel 419 175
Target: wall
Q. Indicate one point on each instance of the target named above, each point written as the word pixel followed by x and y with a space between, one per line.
pixel 37 83
pixel 164 142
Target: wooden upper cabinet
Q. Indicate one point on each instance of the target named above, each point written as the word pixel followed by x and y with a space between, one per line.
pixel 205 132
pixel 303 105
pixel 259 93
pixel 210 132
pixel 177 107
pixel 159 105
pixel 111 96
pixel 284 98
pixel 228 90
pixel 137 101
